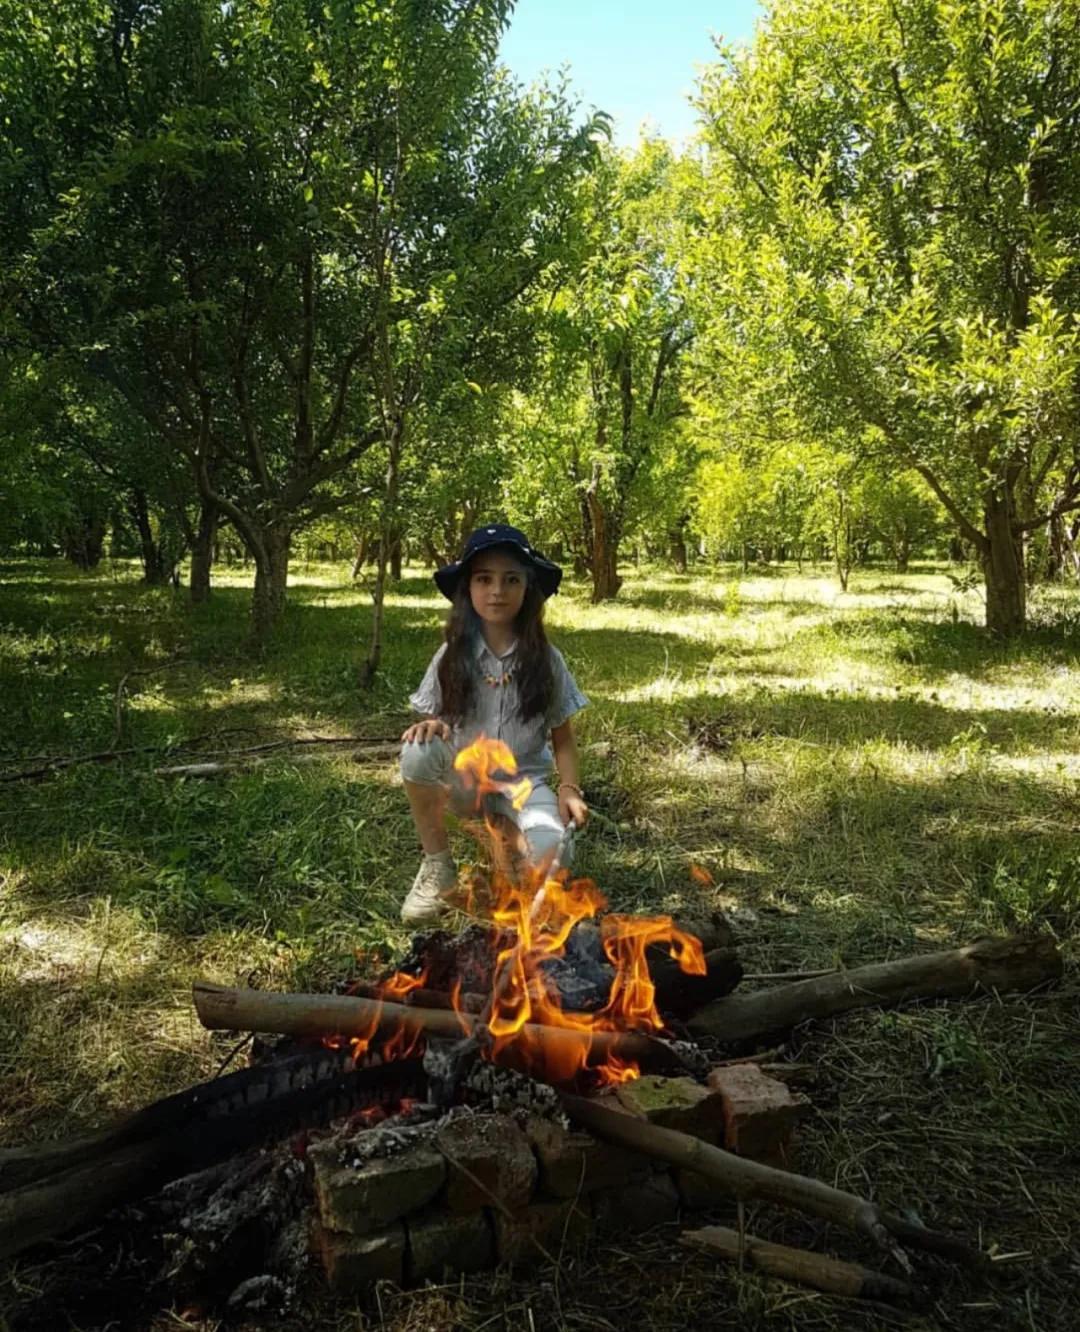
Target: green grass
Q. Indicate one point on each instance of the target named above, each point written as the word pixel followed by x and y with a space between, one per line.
pixel 866 773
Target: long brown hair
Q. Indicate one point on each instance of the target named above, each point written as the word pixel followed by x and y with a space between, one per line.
pixel 532 660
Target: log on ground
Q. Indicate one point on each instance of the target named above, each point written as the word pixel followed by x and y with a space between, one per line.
pixel 799 1265
pixel 991 965
pixel 746 1180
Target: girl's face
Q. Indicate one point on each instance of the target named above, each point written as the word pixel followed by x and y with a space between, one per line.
pixel 497 584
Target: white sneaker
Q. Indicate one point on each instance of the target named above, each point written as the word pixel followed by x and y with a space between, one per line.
pixel 426 899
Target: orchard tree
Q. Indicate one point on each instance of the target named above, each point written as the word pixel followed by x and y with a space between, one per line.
pixel 901 512
pixel 889 222
pixel 477 208
pixel 272 229
pixel 619 333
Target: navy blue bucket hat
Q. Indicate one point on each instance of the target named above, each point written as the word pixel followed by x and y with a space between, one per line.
pixel 548 575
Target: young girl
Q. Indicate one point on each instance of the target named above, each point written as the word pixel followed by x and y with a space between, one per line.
pixel 496 675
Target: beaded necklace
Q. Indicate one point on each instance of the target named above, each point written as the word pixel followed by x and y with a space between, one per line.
pixel 497 681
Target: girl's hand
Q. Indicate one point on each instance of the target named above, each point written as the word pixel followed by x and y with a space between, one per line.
pixel 572 808
pixel 421 732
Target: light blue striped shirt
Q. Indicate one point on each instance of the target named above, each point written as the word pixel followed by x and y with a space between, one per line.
pixel 495 707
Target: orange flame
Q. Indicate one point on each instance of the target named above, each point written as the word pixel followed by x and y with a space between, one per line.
pixel 480 761
pixel 400 1044
pixel 539 914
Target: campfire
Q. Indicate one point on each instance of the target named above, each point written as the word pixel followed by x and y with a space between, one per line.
pixel 550 1071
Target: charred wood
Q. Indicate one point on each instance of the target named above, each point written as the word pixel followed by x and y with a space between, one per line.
pixel 679 993
pixel 186 1132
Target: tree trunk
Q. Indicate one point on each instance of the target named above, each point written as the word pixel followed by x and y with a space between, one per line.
pixel 84 542
pixel 677 544
pixel 203 551
pixel 155 570
pixel 318 1015
pixel 604 552
pixel 1003 566
pixel 395 555
pixel 1072 548
pixel 387 529
pixel 748 1180
pixel 271 578
pixel 360 557
pixel 802 1266
pixel 1054 569
pixel 992 965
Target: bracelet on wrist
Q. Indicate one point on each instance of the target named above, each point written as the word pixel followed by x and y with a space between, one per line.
pixel 572 786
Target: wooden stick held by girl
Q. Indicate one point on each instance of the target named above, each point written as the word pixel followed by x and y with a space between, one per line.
pixel 498 676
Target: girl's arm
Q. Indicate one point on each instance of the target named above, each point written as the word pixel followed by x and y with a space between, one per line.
pixel 572 806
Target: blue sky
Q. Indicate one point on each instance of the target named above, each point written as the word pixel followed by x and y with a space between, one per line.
pixel 632 58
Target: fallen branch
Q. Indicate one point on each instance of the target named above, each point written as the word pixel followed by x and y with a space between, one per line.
pixel 346 1016
pixel 118 702
pixel 790 975
pixel 223 769
pixel 48 766
pixel 988 964
pixel 801 1265
pixel 746 1179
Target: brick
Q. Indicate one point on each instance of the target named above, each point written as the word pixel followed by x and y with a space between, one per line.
pixel 363 1199
pixel 495 1160
pixel 541 1230
pixel 561 1154
pixel 353 1262
pixel 675 1103
pixel 573 1162
pixel 637 1206
pixel 440 1240
pixel 760 1112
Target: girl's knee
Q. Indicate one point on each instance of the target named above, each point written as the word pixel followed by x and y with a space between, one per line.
pixel 427 764
pixel 543 842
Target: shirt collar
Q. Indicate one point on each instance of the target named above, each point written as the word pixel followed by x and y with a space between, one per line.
pixel 482 647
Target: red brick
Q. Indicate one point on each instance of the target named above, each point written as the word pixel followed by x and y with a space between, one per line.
pixel 760 1112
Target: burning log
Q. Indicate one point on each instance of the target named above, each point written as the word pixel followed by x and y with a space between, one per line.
pixel 681 993
pixel 328 1015
pixel 678 993
pixel 801 1265
pixel 988 964
pixel 746 1179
